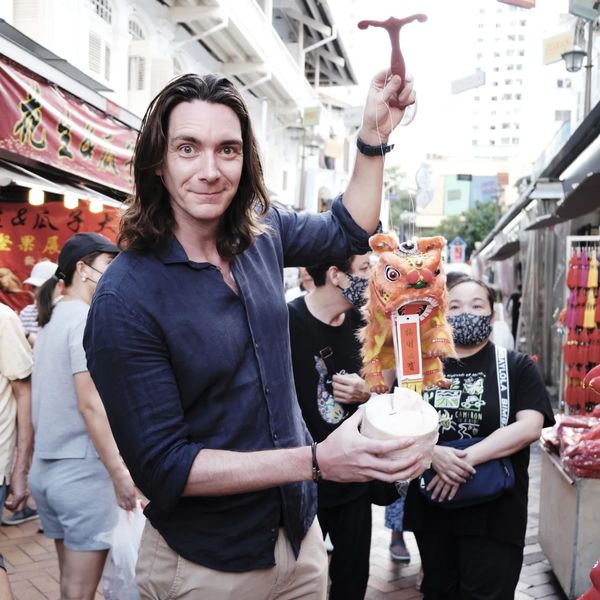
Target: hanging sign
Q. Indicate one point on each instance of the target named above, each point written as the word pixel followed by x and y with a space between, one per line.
pixel 586 9
pixel 29 234
pixel 44 123
pixel 407 348
pixel 458 250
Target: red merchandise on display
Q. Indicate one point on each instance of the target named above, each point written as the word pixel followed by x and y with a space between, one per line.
pixel 581 322
pixel 577 440
pixel 584 268
pixel 594 592
pixel 573 272
pixel 583 459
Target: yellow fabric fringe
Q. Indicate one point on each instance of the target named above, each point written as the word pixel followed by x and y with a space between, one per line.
pixel 593 272
pixel 589 316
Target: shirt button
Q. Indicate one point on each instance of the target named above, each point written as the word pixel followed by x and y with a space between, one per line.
pixel 256 345
pixel 274 436
pixel 267 391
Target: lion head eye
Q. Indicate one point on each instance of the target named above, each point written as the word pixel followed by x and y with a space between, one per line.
pixel 408 247
pixel 391 274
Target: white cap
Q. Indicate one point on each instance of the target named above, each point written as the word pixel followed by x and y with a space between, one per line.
pixel 41 272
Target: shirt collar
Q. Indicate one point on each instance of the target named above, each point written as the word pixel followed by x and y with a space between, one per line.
pixel 171 252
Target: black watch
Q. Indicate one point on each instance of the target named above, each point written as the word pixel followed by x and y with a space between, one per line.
pixel 367 150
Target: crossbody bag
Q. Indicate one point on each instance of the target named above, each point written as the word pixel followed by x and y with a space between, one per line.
pixel 492 478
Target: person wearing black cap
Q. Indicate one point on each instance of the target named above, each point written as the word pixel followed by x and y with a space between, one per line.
pixel 187 341
pixel 77 476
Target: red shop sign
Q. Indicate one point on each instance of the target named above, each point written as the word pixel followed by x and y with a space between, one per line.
pixel 29 234
pixel 43 122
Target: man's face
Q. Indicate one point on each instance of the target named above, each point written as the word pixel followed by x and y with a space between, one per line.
pixel 203 162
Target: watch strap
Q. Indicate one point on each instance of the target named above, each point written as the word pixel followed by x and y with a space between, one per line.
pixel 368 150
pixel 316 471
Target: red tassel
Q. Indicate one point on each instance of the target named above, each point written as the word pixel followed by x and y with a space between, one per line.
pixel 583 345
pixel 571 306
pixel 580 309
pixel 570 348
pixel 594 353
pixel 572 275
pixel 584 269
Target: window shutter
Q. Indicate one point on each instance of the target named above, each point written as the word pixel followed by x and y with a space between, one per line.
pixel 95 53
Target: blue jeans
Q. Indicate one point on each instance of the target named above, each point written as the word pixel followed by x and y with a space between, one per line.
pixel 394 515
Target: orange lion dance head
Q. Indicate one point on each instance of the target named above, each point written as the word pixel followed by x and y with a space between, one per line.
pixel 408 278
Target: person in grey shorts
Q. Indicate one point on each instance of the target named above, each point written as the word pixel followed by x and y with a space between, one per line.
pixel 77 477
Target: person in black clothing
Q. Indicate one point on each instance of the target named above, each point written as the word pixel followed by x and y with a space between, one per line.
pixel 514 306
pixel 476 553
pixel 326 361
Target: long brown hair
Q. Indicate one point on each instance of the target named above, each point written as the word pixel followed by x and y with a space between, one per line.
pixel 149 218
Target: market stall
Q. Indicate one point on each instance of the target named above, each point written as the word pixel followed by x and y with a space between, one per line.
pixel 64 167
pixel 569 528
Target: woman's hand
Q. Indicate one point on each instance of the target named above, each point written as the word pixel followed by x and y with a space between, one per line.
pixel 385 107
pixel 124 489
pixel 350 388
pixel 441 490
pixel 451 466
pixel 18 492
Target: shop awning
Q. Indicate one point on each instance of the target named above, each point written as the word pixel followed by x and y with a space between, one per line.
pixel 584 199
pixel 506 251
pixel 545 221
pixel 11 174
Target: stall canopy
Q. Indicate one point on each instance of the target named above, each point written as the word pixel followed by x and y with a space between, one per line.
pixel 506 251
pixel 12 174
pixel 584 199
pixel 545 221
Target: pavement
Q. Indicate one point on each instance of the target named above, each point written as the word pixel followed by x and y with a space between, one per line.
pixel 33 567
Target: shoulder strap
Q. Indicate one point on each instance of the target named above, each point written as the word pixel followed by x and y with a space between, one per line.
pixel 503 384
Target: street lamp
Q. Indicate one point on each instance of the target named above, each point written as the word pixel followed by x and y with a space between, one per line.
pixel 574 61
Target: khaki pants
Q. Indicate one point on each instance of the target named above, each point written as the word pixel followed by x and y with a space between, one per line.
pixel 162 574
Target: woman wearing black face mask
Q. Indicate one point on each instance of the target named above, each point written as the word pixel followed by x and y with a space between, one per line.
pixel 477 552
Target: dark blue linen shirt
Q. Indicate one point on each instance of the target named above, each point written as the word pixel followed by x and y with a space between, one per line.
pixel 183 363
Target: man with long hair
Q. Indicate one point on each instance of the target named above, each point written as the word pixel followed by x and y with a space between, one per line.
pixel 188 344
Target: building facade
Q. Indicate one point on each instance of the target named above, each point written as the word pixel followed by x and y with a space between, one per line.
pixel 281 54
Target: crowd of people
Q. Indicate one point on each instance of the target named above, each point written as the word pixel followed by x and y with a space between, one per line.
pixel 169 365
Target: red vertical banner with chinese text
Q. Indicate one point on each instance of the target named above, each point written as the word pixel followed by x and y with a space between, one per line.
pixel 29 234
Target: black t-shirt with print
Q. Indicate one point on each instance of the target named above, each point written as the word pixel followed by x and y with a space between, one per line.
pixel 321 412
pixel 471 408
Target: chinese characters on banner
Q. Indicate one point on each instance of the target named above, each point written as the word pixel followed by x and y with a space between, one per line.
pixel 29 234
pixel 407 350
pixel 43 123
pixel 409 344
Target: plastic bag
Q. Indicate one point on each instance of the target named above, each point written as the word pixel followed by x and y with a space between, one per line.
pixel 118 579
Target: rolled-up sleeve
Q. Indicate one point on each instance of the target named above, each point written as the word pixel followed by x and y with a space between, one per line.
pixel 129 363
pixel 310 238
